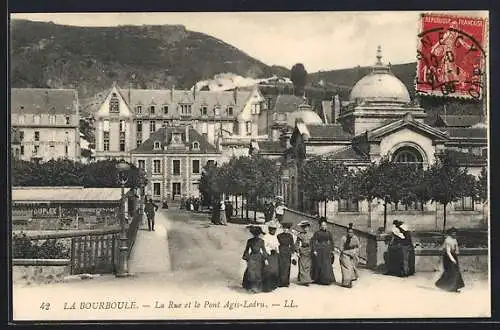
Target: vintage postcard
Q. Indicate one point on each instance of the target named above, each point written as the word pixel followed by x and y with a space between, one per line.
pixel 247 166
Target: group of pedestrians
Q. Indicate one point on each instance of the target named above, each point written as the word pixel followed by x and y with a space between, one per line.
pixel 222 211
pixel 269 256
pixel 191 204
pixel 400 260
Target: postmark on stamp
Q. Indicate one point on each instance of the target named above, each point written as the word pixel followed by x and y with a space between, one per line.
pixel 451 56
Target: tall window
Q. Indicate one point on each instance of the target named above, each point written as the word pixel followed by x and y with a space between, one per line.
pixel 20 119
pixel 196 145
pixel 138 142
pixel 152 126
pixel 141 163
pixel 210 162
pixel 68 120
pixel 122 141
pixel 348 205
pixel 217 111
pixel 35 150
pixel 165 109
pixel 156 145
pixel 138 109
pixel 21 135
pixel 176 167
pixel 157 189
pixel 249 127
pixel 114 104
pixel 156 166
pixel 176 188
pixel 230 111
pixel 256 109
pixel 139 126
pixel 152 109
pixel 36 119
pixel 66 150
pixel 22 150
pixel 196 166
pixel 106 141
pixel 37 136
pixel 204 110
pixel 52 119
pixel 464 204
pixel 165 123
pixel 122 125
pixel 105 126
pixel 204 128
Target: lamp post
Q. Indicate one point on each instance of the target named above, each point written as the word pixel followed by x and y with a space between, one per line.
pixel 122 270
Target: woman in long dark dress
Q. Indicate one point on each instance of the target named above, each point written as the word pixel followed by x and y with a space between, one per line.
pixel 322 246
pixel 256 256
pixel 303 247
pixel 451 279
pixel 286 248
pixel 270 275
pixel 349 247
pixel 401 253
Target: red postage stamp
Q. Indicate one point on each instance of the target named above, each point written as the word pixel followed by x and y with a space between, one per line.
pixel 451 56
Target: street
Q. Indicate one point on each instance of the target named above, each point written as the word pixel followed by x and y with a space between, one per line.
pixel 187 260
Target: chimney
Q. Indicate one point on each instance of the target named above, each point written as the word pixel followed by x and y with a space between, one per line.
pixel 194 92
pixel 187 133
pixel 129 93
pixel 172 93
pixel 235 95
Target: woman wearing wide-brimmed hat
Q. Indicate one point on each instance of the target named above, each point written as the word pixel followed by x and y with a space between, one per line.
pixel 286 249
pixel 255 255
pixel 303 246
pixel 270 276
pixel 451 279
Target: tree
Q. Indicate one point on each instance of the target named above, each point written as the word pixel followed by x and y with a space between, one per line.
pixel 482 186
pixel 314 180
pixel 208 183
pixel 298 75
pixel 447 181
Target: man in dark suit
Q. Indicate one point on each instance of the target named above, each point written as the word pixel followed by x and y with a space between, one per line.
pixel 150 208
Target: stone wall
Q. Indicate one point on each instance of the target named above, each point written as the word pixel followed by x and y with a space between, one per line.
pixel 26 275
pixel 468 263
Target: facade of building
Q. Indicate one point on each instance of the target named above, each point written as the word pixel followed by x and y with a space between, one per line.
pixel 46 123
pixel 128 117
pixel 380 120
pixel 173 158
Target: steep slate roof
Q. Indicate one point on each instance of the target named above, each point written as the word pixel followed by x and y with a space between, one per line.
pixel 148 97
pixel 347 154
pixel 457 121
pixel 147 147
pixel 460 132
pixel 270 146
pixel 328 132
pixel 287 103
pixel 43 100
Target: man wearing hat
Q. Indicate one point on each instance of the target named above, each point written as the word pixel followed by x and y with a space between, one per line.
pixel 286 248
pixel 271 270
pixel 303 246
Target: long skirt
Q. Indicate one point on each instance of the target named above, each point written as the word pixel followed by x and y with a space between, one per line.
pixel 285 260
pixel 223 220
pixel 322 266
pixel 305 266
pixel 252 278
pixel 348 268
pixel 270 274
pixel 451 279
pixel 401 260
pixel 216 217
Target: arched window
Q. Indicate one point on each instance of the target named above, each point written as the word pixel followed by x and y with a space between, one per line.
pixel 407 155
pixel 196 145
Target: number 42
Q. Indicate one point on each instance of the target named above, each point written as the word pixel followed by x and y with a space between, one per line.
pixel 45 306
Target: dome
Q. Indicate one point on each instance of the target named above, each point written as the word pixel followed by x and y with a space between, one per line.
pixel 309 117
pixel 380 86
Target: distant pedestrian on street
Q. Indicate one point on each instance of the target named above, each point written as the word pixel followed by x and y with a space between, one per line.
pixel 323 257
pixel 280 209
pixel 222 213
pixel 451 279
pixel 256 257
pixel 196 204
pixel 286 249
pixel 150 208
pixel 349 249
pixel 303 247
pixel 229 210
pixel 215 213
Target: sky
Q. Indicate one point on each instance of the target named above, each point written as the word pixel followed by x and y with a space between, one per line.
pixel 319 40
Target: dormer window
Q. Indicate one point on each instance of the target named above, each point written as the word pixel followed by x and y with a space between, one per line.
pixel 138 109
pixel 114 104
pixel 185 109
pixel 21 119
pixel 68 120
pixel 196 145
pixel 217 111
pixel 165 109
pixel 204 110
pixel 157 145
pixel 230 111
pixel 152 109
pixel 36 119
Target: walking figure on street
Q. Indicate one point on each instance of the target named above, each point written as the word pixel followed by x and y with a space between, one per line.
pixel 270 276
pixel 150 208
pixel 451 279
pixel 303 246
pixel 323 257
pixel 349 249
pixel 400 253
pixel 256 257
pixel 286 249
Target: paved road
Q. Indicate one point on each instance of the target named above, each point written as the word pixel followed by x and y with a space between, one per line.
pixel 205 266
